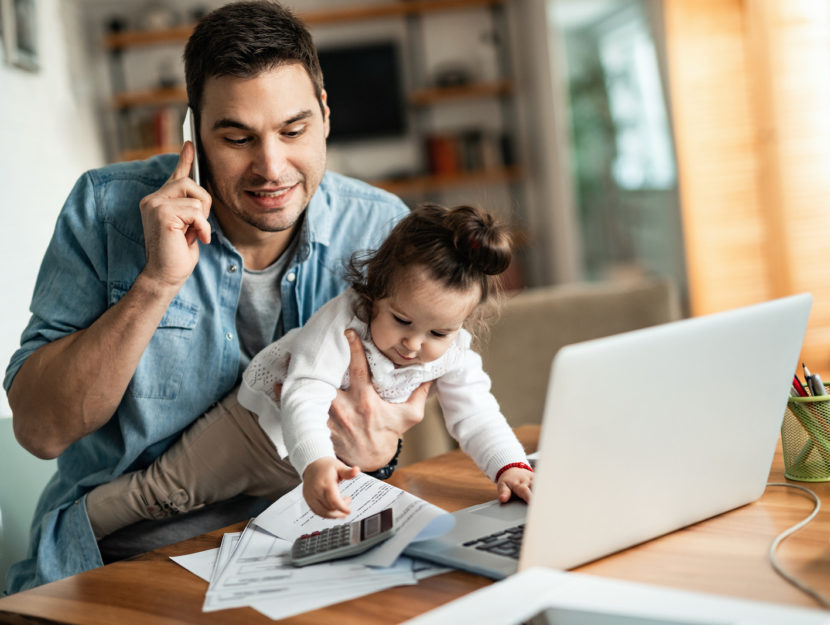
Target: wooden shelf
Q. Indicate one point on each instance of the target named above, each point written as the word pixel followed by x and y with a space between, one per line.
pixel 436 182
pixel 140 154
pixel 421 97
pixel 435 95
pixel 407 7
pixel 130 38
pixel 150 97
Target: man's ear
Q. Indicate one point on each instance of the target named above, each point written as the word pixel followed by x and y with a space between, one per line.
pixel 326 112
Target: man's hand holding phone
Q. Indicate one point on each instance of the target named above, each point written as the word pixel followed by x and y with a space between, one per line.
pixel 174 219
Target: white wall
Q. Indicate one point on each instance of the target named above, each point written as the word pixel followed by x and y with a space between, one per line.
pixel 47 139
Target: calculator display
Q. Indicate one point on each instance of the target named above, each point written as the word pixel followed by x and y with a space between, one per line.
pixel 376 524
pixel 371 527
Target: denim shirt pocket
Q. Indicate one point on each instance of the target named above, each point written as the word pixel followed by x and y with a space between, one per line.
pixel 160 371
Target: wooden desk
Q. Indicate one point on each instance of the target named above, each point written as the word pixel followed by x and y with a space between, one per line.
pixel 725 555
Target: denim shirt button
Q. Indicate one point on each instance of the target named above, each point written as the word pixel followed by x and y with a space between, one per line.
pixel 291 277
pixel 232 268
pixel 229 336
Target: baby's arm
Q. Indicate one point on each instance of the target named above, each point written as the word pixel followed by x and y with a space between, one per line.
pixel 320 480
pixel 319 359
pixel 473 418
pixel 514 481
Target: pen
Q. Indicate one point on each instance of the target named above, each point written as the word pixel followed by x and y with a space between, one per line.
pixel 814 382
pixel 816 385
pixel 798 388
pixel 807 373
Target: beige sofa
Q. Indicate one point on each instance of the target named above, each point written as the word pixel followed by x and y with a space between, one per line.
pixel 532 326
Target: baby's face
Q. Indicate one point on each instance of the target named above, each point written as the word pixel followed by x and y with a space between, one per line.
pixel 418 322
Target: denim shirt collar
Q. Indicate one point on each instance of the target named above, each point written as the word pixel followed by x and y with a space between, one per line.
pixel 319 220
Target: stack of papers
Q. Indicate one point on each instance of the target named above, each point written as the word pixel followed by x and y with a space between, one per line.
pixel 252 567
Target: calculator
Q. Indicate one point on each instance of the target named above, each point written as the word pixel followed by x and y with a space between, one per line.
pixel 343 541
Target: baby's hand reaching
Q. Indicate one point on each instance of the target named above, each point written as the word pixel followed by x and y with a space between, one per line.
pixel 515 481
pixel 320 491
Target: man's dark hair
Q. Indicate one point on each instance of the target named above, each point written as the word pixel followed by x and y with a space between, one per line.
pixel 243 39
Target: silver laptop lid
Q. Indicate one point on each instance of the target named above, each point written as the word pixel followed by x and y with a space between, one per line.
pixel 652 430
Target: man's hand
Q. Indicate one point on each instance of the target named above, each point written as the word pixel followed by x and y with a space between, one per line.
pixel 320 480
pixel 97 362
pixel 364 428
pixel 174 218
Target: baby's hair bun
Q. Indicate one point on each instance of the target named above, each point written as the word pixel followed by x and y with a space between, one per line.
pixel 480 239
pixel 461 248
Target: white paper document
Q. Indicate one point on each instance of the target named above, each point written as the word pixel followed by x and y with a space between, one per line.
pixel 252 568
pixel 334 590
pixel 199 563
pixel 259 574
pixel 290 517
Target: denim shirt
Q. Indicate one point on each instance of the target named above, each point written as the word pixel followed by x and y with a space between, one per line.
pixel 192 360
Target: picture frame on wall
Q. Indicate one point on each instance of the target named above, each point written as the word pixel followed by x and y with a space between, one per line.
pixel 20 33
pixel 4 13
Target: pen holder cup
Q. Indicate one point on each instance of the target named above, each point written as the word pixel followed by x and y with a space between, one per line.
pixel 805 439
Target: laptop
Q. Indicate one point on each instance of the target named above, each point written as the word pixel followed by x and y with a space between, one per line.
pixel 643 433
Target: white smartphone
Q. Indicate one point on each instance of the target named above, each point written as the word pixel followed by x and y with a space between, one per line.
pixel 189 134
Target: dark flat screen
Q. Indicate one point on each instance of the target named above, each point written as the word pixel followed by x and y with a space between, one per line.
pixel 364 91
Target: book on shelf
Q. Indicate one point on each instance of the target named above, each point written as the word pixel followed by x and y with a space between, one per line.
pixel 153 130
pixel 464 151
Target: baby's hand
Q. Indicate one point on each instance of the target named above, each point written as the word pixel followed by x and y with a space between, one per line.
pixel 515 481
pixel 320 480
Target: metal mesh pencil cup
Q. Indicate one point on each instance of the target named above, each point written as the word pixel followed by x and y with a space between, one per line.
pixel 805 439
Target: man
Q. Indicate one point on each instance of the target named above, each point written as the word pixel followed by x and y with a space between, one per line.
pixel 155 292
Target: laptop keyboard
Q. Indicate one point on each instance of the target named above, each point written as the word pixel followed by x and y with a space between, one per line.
pixel 506 542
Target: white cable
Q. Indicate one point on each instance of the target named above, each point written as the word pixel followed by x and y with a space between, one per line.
pixel 780 538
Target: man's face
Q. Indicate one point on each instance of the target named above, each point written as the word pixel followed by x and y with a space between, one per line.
pixel 265 142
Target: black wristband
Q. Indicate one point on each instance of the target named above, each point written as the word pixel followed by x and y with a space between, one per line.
pixel 386 472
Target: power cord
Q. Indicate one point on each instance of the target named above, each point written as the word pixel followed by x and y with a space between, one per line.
pixel 780 538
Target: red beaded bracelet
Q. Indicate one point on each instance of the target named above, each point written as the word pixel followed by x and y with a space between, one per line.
pixel 513 465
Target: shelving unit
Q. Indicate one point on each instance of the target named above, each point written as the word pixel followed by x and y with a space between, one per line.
pixel 426 184
pixel 353 13
pixel 436 95
pixel 423 97
pixel 420 97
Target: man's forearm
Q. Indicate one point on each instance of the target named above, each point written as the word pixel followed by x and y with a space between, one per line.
pixel 71 387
